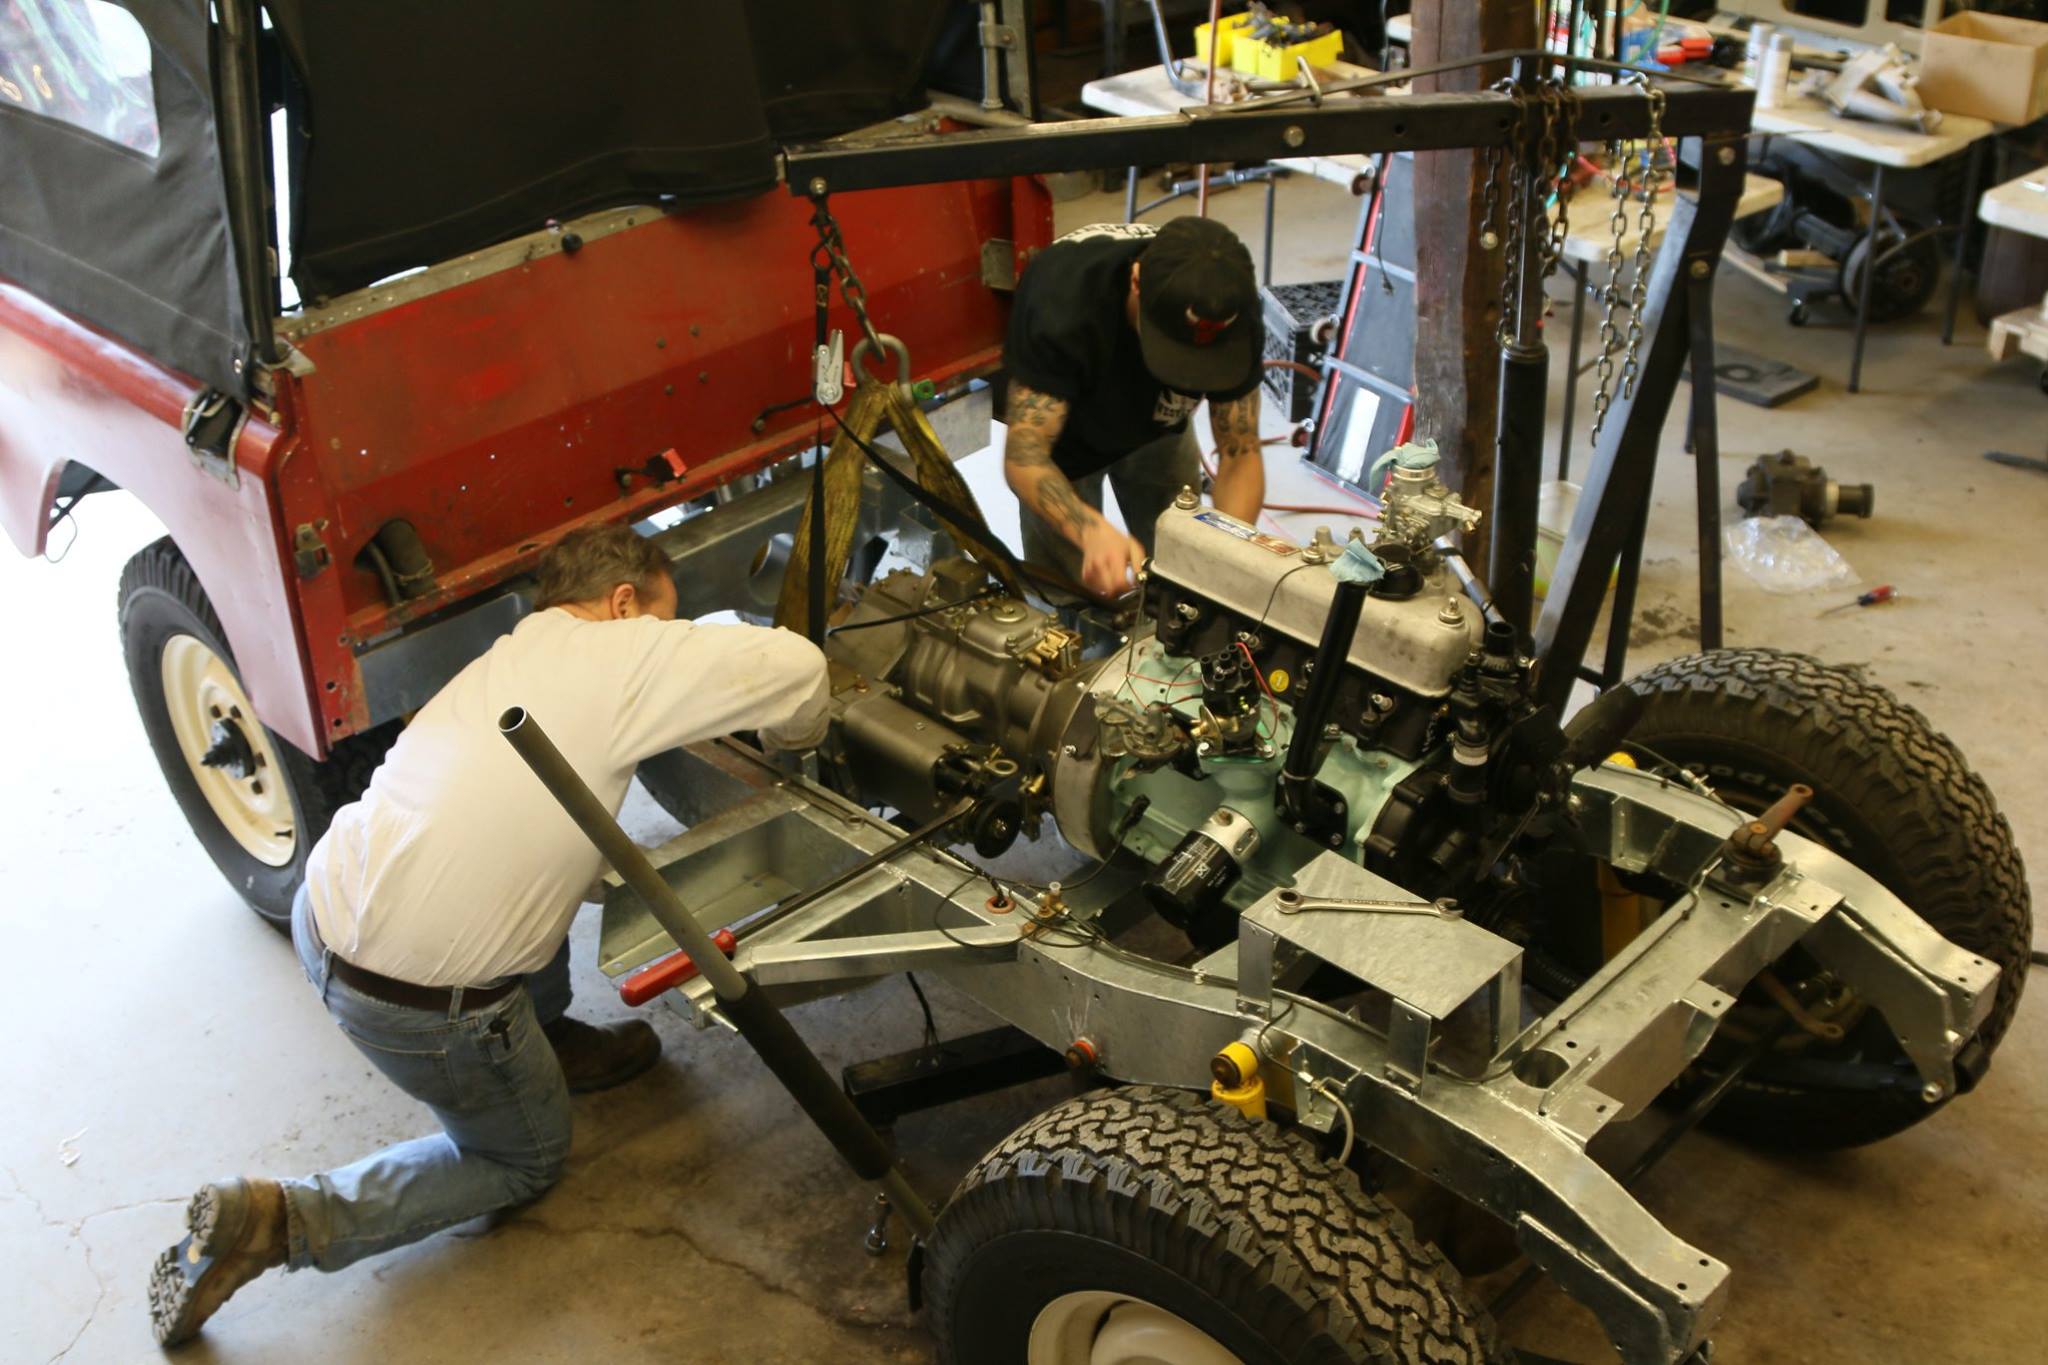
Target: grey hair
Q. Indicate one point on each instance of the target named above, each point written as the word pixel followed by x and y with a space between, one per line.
pixel 587 564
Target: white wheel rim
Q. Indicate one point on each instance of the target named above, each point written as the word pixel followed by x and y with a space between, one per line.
pixel 1097 1327
pixel 202 695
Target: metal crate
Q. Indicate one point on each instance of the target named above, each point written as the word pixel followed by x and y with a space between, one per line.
pixel 1292 312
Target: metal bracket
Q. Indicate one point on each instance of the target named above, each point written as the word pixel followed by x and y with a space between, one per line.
pixel 309 551
pixel 210 424
pixel 999 263
pixel 294 361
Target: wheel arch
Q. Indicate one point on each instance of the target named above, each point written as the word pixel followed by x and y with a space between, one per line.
pixel 73 398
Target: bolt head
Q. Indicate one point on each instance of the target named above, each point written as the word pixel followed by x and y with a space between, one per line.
pixel 1700 270
pixel 1489 241
pixel 817 184
pixel 1293 136
pixel 1726 156
pixel 1932 1092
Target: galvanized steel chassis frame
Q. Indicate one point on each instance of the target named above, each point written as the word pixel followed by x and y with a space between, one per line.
pixel 1506 1128
pixel 1450 1079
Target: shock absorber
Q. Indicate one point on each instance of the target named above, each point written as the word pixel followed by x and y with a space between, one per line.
pixel 1476 714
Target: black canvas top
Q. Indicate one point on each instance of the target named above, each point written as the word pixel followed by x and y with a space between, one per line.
pixel 418 132
pixel 428 130
pixel 124 229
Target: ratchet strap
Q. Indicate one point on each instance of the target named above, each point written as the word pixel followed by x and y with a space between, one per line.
pixel 953 503
pixel 824 534
pixel 936 485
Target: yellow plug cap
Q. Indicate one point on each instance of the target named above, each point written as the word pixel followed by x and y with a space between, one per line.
pixel 1237 1081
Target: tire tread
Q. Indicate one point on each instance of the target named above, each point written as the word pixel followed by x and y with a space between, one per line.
pixel 1947 850
pixel 1242 1208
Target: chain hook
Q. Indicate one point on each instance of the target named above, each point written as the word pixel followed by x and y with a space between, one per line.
pixel 883 341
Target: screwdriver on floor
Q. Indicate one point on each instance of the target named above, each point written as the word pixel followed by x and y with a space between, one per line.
pixel 1881 593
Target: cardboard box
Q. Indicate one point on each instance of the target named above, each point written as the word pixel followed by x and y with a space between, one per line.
pixel 1986 65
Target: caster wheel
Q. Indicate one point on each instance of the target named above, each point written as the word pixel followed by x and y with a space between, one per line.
pixel 1797 315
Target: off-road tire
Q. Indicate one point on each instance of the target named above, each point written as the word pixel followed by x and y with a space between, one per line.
pixel 1893 796
pixel 160 597
pixel 1237 1226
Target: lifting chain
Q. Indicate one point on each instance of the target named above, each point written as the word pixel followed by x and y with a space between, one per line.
pixel 1611 334
pixel 829 257
pixel 1552 155
pixel 1505 166
pixel 1565 150
pixel 1646 227
pixel 1489 230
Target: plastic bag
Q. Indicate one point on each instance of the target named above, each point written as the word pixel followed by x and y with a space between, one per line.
pixel 1785 555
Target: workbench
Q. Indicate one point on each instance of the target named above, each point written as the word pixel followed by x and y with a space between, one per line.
pixel 1150 91
pixel 2020 205
pixel 1883 147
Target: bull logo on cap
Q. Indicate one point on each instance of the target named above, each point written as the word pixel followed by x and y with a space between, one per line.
pixel 1206 330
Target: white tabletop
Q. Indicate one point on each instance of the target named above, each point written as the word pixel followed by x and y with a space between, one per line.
pixel 1148 92
pixel 2020 204
pixel 1811 123
pixel 1880 143
pixel 1590 236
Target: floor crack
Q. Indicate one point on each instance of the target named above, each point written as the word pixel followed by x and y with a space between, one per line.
pixel 74 1230
pixel 98 1298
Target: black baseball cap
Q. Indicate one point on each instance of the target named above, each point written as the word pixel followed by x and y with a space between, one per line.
pixel 1198 307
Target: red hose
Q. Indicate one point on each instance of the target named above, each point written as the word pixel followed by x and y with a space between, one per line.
pixel 1364 508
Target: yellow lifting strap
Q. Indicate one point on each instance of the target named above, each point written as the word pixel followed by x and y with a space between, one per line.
pixel 873 405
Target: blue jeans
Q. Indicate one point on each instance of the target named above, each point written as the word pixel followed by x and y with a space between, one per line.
pixel 492 1080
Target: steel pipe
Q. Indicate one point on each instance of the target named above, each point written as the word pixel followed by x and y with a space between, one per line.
pixel 751 1012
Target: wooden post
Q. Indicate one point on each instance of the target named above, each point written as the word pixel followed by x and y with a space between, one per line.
pixel 1458 284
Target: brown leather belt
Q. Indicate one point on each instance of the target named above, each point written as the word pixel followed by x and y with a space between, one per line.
pixel 391 991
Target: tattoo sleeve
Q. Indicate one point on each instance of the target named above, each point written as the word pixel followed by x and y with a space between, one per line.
pixel 1235 425
pixel 1035 422
pixel 1240 486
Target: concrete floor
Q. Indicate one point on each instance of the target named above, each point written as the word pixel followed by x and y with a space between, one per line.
pixel 160 1035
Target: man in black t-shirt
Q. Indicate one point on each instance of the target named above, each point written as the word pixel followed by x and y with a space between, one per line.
pixel 1119 332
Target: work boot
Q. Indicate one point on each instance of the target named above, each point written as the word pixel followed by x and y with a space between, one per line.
pixel 598 1057
pixel 235 1232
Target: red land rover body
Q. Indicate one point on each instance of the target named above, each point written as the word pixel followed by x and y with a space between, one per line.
pixel 598 368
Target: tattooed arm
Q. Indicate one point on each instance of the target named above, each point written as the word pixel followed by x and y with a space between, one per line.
pixel 1240 487
pixel 1109 558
